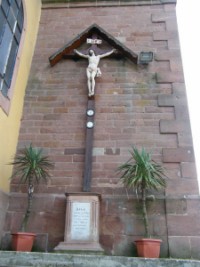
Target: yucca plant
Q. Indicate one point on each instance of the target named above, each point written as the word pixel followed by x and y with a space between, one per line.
pixel 32 167
pixel 141 173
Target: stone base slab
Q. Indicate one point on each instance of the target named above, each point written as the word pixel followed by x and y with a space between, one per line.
pixel 81 223
pixel 81 247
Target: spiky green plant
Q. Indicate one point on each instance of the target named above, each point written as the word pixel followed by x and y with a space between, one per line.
pixel 32 167
pixel 141 173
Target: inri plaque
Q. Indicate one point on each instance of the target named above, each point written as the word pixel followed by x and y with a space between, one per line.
pixel 80 222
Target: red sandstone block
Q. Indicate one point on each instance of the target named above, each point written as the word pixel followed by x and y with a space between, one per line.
pixel 185 139
pixel 60 110
pixel 51 117
pixel 58 172
pixel 158 17
pixel 193 205
pixel 61 181
pixel 54 225
pixel 44 137
pixel 176 206
pixel 171 24
pixel 43 203
pixel 181 112
pixel 177 225
pixel 195 244
pixel 162 16
pixel 47 130
pixel 73 151
pixel 188 170
pixel 174 126
pixel 30 137
pixel 180 247
pixel 176 65
pixel 160 66
pixel 17 202
pixel 50 144
pixel 32 117
pixel 112 224
pixel 13 221
pixel 168 55
pixel 170 77
pixel 160 36
pixel 78 158
pixel 174 44
pixel 172 100
pixel 181 154
pixel 165 140
pixel 182 186
pixel 102 190
pixel 112 151
pixel 47 98
pixel 43 110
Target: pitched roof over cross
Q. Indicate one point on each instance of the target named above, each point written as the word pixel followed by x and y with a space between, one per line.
pixel 93 33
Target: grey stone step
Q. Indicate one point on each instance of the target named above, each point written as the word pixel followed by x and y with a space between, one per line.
pixel 26 259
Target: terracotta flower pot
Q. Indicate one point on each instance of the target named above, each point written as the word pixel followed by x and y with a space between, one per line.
pixel 148 248
pixel 22 241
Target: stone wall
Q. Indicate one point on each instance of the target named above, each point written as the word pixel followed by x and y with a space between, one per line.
pixel 120 223
pixel 142 105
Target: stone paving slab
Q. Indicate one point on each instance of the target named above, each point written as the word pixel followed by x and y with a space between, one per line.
pixel 26 259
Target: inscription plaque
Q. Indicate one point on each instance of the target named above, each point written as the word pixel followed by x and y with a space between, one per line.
pixel 80 222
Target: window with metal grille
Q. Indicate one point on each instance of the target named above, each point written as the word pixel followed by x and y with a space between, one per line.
pixel 11 25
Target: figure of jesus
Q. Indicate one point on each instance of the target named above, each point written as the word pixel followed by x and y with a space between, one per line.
pixel 92 70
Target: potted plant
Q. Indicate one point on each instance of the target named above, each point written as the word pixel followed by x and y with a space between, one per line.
pixel 32 167
pixel 142 173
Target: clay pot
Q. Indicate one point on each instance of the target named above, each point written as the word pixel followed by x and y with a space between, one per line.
pixel 22 241
pixel 148 248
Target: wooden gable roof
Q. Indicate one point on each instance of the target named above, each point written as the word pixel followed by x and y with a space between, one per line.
pixel 67 51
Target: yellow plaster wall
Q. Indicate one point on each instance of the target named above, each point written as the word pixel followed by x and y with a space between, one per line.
pixel 9 124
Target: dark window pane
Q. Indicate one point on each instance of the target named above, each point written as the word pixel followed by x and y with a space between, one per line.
pixel 11 62
pixel 20 18
pixel 5 48
pixel 18 2
pixel 1 83
pixel 5 6
pixel 5 89
pixel 14 8
pixel 2 23
pixel 11 19
pixel 17 34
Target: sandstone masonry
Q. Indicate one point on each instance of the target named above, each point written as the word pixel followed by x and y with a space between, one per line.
pixel 142 105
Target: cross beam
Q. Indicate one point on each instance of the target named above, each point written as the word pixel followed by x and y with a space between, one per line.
pixel 89 145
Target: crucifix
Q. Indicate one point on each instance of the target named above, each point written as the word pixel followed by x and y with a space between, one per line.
pixel 93 57
pixel 93 54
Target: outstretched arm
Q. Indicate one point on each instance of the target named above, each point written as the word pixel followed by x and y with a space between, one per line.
pixel 107 54
pixel 80 54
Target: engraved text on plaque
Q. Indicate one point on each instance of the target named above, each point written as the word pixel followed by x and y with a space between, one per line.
pixel 80 223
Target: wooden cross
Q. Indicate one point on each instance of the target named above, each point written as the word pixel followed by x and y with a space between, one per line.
pixel 68 52
pixel 90 120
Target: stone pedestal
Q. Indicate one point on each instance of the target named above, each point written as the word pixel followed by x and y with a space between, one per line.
pixel 81 223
